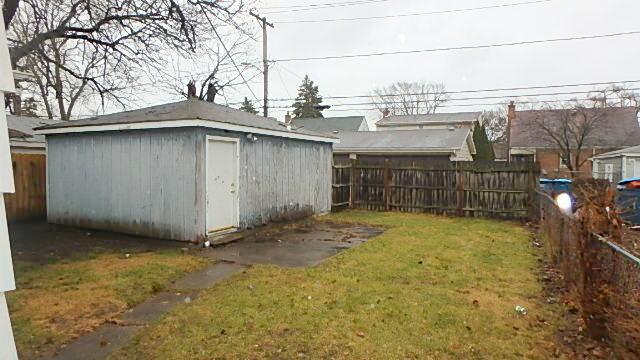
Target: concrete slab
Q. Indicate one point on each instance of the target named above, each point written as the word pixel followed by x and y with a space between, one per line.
pixel 307 245
pixel 99 344
pixel 207 277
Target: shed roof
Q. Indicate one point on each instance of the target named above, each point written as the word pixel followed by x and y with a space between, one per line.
pixel 631 151
pixel 428 140
pixel 330 124
pixel 21 130
pixel 460 117
pixel 501 151
pixel 191 112
pixel 619 128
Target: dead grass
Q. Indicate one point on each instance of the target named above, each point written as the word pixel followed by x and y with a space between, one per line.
pixel 57 302
pixel 428 288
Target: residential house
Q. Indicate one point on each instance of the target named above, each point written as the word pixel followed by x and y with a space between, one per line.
pixel 618 165
pixel 616 128
pixel 406 147
pixel 330 125
pixel 429 121
pixel 28 159
pixel 184 171
pixel 7 280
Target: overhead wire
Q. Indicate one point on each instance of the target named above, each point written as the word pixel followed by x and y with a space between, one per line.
pixel 465 47
pixel 423 13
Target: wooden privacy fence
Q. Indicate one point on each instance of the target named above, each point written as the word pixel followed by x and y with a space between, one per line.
pixel 465 188
pixel 30 199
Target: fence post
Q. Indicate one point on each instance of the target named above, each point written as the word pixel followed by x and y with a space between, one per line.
pixel 387 188
pixel 352 179
pixel 532 188
pixel 460 188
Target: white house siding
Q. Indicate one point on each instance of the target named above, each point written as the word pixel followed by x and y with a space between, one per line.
pixel 152 182
pixel 464 154
pixel 7 282
pixel 630 168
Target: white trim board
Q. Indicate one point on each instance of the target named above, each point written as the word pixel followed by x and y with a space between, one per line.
pixel 186 123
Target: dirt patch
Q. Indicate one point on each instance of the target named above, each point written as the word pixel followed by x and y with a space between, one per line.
pixel 44 243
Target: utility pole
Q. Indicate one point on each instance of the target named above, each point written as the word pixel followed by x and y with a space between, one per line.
pixel 265 62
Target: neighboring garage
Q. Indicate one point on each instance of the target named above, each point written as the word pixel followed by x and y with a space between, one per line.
pixel 183 171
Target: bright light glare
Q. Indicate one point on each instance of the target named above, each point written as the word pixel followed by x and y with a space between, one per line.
pixel 565 203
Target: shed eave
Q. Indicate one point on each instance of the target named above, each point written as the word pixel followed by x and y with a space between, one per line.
pixel 166 124
pixel 396 151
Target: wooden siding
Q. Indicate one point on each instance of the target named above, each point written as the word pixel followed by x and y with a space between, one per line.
pixel 136 182
pixel 152 182
pixel 29 199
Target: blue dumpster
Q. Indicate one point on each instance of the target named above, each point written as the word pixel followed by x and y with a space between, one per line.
pixel 556 186
pixel 628 200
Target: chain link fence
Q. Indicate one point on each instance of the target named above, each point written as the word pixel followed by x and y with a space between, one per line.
pixel 602 274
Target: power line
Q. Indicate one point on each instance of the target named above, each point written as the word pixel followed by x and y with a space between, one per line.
pixel 479 90
pixel 467 47
pixel 440 12
pixel 298 8
pixel 483 97
pixel 234 63
pixel 464 105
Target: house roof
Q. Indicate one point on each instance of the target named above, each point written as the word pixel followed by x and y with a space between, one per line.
pixel 619 127
pixel 440 118
pixel 21 130
pixel 630 151
pixel 329 125
pixel 186 113
pixel 403 141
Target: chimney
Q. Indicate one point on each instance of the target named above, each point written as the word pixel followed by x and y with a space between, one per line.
pixel 287 119
pixel 511 115
pixel 16 101
pixel 385 113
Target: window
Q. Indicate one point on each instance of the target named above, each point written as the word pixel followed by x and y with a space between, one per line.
pixel 563 165
pixel 522 158
pixel 608 172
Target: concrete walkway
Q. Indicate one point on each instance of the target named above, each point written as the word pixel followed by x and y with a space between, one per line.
pixel 299 246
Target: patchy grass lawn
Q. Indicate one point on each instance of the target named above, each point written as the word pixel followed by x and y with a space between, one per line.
pixel 429 287
pixel 58 301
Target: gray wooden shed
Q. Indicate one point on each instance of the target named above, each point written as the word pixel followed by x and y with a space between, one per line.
pixel 184 171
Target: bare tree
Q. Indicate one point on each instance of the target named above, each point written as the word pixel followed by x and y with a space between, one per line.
pixel 225 67
pixel 103 47
pixel 615 96
pixel 410 98
pixel 495 124
pixel 569 130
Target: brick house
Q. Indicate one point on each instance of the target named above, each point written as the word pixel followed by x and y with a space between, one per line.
pixel 615 128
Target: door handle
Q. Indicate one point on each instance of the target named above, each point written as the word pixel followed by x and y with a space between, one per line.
pixel 233 188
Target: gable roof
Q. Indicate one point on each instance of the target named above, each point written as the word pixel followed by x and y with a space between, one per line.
pixel 186 113
pixel 630 151
pixel 403 141
pixel 329 125
pixel 619 128
pixel 21 130
pixel 438 118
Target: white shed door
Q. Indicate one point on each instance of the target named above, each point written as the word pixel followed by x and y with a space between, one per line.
pixel 636 172
pixel 222 184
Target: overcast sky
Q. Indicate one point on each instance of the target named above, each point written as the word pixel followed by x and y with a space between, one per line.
pixel 583 61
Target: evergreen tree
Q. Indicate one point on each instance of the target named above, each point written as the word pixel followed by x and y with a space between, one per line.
pixel 484 149
pixel 307 101
pixel 247 106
